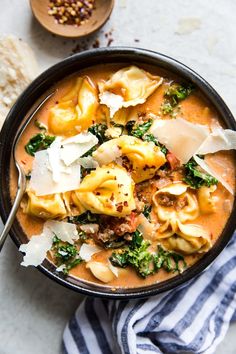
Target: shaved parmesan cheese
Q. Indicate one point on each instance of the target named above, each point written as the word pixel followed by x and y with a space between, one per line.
pixel 38 246
pixel 207 169
pixel 87 251
pixel 112 101
pixel 42 181
pixel 56 170
pixel 76 146
pixel 88 162
pixel 55 160
pixel 145 227
pixel 65 231
pixel 114 270
pixel 82 138
pixel 36 249
pixel 218 140
pixel 181 137
pixel 105 156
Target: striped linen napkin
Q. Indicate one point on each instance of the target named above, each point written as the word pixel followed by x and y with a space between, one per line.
pixel 193 318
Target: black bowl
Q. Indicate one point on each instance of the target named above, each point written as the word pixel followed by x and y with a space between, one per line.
pixel 38 88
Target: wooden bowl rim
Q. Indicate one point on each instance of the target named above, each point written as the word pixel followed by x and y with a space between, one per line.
pixel 66 34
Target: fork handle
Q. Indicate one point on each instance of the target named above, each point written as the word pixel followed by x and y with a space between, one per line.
pixel 11 216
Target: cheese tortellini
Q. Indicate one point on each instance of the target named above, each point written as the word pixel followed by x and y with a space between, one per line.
pixel 143 159
pixel 174 205
pixel 176 201
pixel 184 238
pixel 45 207
pixel 129 86
pixel 107 190
pixel 76 111
pixel 207 201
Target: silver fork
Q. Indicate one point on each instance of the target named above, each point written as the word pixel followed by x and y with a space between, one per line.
pixel 21 184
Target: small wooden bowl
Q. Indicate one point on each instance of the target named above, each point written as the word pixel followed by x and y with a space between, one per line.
pixel 99 16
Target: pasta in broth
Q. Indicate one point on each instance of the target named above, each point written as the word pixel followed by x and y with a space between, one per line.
pixel 111 195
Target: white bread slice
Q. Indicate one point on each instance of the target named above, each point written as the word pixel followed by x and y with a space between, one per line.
pixel 18 67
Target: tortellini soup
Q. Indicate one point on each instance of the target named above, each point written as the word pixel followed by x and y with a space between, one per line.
pixel 129 181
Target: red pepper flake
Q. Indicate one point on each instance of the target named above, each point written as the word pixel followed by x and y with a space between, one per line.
pixel 23 161
pixel 119 208
pixel 112 197
pixel 97 193
pixel 110 40
pixel 126 203
pixel 71 12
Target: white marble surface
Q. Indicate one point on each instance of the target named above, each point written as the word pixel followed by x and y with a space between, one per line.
pixel 33 309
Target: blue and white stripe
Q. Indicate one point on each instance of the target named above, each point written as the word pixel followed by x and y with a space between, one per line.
pixel 191 319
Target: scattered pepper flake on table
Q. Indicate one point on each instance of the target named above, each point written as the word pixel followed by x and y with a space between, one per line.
pixel 71 12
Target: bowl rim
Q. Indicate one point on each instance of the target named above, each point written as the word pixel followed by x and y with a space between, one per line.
pixel 61 69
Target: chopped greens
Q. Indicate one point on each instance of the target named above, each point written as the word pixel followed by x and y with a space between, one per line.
pixel 147 210
pixel 144 262
pixel 28 176
pixel 119 259
pixel 38 142
pixel 167 108
pixel 168 260
pixel 99 131
pixel 40 125
pixel 151 137
pixel 85 218
pixel 174 95
pixel 177 93
pixel 129 126
pixel 195 178
pixel 138 130
pixel 137 239
pixel 65 254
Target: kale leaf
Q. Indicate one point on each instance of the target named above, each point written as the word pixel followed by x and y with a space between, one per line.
pixel 138 130
pixel 144 262
pixel 85 218
pixel 40 125
pixel 66 254
pixel 38 142
pixel 177 93
pixel 151 137
pixel 196 178
pixel 119 259
pixel 170 261
pixel 136 256
pixel 147 210
pixel 120 242
pixel 99 131
pixel 174 95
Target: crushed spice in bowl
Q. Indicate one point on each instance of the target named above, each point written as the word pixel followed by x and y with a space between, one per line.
pixel 71 12
pixel 72 18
